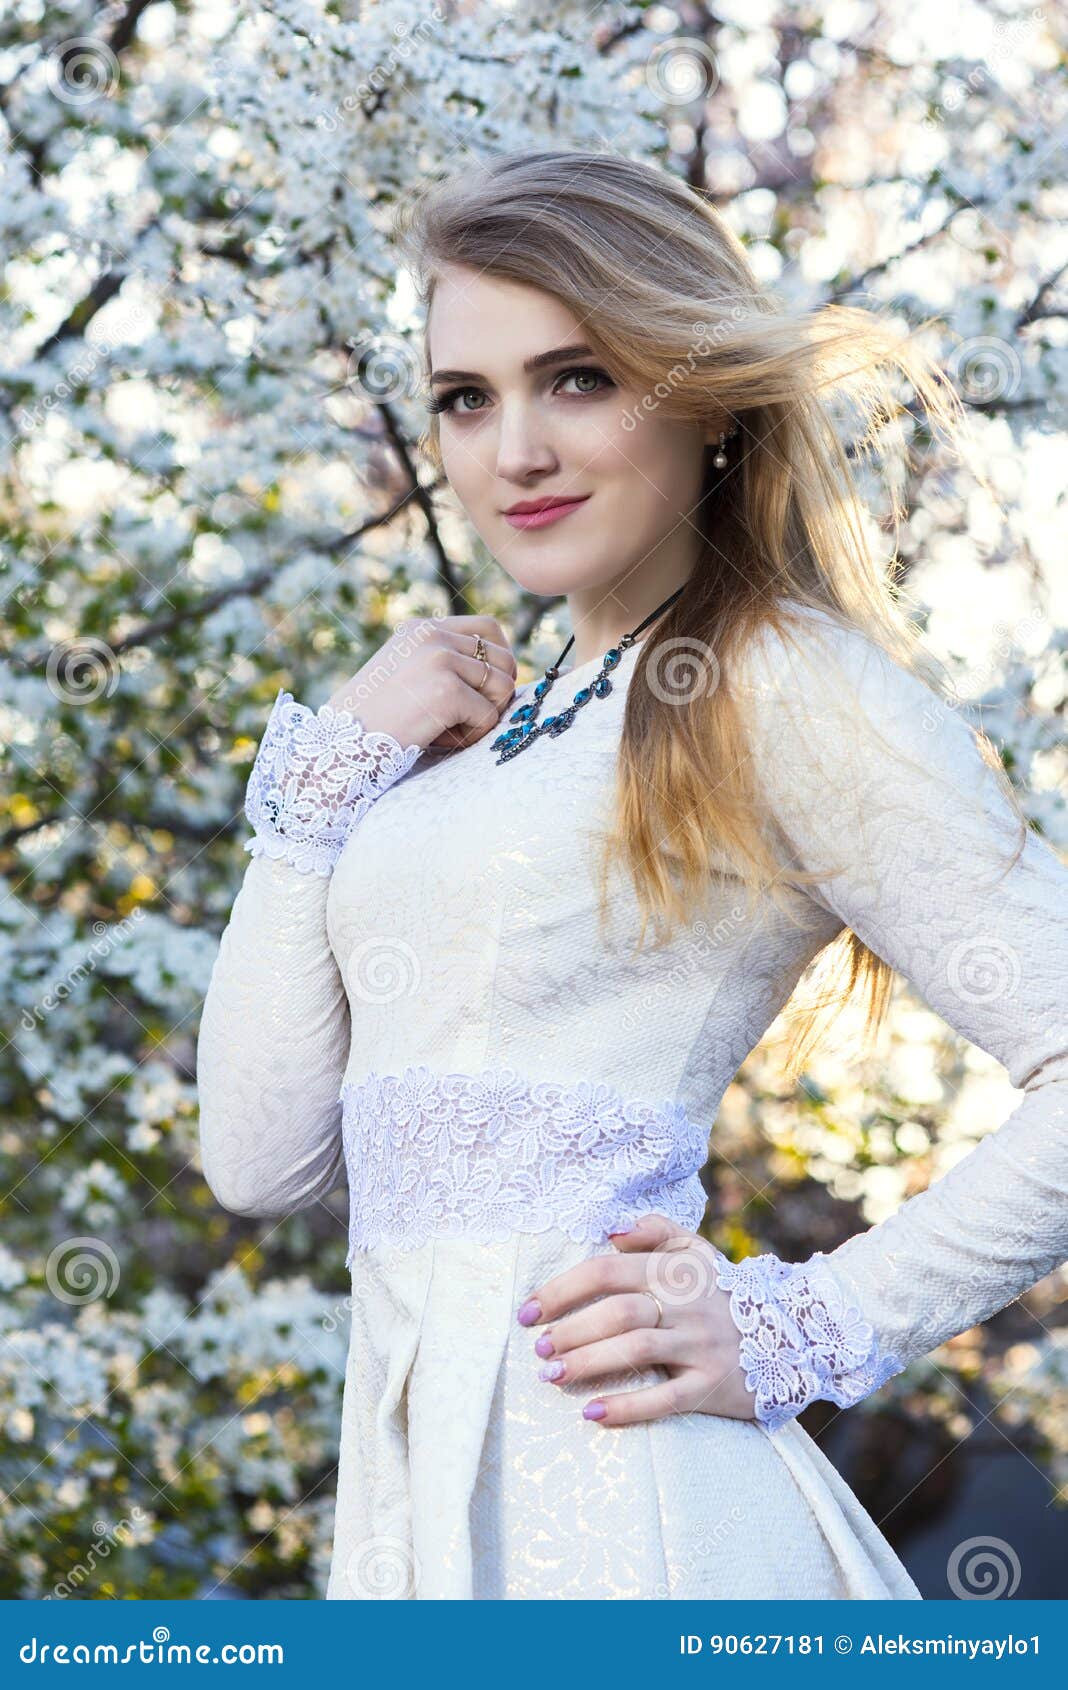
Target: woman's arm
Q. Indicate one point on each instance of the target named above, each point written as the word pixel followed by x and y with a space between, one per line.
pixel 274 1032
pixel 921 841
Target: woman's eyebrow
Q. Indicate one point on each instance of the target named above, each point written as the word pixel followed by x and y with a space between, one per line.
pixel 538 362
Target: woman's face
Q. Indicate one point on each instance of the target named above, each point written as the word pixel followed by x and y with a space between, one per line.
pixel 511 435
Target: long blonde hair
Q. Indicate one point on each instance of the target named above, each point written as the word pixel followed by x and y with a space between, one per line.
pixel 668 301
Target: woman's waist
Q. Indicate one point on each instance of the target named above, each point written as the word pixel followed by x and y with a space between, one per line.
pixel 434 1154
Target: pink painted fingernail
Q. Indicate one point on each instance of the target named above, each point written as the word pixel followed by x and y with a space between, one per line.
pixel 544 1345
pixel 594 1411
pixel 551 1370
pixel 530 1313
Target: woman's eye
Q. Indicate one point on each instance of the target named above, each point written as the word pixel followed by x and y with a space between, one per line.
pixel 461 393
pixel 577 375
pixel 448 403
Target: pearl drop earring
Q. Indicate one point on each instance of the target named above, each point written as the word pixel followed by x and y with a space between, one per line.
pixel 719 460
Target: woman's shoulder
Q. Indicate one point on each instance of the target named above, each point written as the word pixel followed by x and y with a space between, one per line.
pixel 793 624
pixel 806 653
pixel 826 705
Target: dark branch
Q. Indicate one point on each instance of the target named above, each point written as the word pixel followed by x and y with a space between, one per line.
pixel 458 603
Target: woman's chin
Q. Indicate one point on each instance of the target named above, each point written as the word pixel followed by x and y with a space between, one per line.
pixel 549 569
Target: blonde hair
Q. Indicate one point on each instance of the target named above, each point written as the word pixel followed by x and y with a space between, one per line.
pixel 667 300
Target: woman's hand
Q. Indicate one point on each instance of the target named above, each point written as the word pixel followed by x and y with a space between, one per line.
pixel 697 1340
pixel 426 687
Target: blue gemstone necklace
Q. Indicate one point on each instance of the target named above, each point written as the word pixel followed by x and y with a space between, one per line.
pixel 528 728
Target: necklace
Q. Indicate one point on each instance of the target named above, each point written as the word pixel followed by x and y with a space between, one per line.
pixel 514 740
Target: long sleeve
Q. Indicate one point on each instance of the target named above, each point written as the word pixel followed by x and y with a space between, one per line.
pixel 867 774
pixel 274 1031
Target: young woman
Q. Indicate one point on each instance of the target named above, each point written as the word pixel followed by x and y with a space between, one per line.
pixel 435 984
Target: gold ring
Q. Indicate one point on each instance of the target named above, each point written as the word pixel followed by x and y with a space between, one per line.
pixel 659 1305
pixel 480 651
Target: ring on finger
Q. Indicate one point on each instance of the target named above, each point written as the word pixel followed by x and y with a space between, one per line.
pixel 480 652
pixel 659 1305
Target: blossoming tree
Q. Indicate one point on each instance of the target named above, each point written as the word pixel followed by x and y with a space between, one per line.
pixel 211 487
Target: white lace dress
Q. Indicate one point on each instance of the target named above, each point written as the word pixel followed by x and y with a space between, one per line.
pixel 413 995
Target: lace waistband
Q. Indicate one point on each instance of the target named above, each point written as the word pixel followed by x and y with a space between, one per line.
pixel 486 1155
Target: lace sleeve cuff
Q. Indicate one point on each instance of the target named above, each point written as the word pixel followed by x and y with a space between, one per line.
pixel 800 1338
pixel 315 774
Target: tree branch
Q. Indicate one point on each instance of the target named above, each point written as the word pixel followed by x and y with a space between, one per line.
pixel 1037 308
pixel 458 602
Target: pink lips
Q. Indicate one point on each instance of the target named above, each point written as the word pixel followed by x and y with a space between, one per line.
pixel 540 519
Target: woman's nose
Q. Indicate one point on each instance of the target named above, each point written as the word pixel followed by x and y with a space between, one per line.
pixel 522 447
